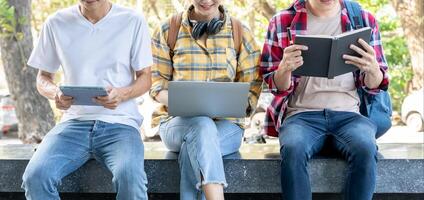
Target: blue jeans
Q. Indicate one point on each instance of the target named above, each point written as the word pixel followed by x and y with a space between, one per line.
pixel 70 144
pixel 201 143
pixel 303 135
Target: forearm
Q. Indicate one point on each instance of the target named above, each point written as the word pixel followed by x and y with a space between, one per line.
pixel 140 86
pixel 282 79
pixel 45 85
pixel 373 80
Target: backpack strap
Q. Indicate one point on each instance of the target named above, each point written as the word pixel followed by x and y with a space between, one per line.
pixel 237 34
pixel 174 28
pixel 354 11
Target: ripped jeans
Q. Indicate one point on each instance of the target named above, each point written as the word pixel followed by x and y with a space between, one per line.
pixel 201 143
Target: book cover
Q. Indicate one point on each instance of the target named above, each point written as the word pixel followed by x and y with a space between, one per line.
pixel 324 55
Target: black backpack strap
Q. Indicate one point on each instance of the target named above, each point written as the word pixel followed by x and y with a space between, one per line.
pixel 354 11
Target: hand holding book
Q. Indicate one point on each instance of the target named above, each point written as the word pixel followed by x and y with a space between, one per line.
pixel 325 55
pixel 367 61
pixel 292 57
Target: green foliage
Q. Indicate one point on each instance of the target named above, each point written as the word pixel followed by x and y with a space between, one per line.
pixel 7 19
pixel 400 71
pixel 395 49
pixel 41 9
pixel 9 26
pixel 249 12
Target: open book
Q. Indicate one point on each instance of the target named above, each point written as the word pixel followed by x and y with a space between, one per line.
pixel 324 57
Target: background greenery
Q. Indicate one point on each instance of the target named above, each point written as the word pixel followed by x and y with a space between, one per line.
pixel 251 14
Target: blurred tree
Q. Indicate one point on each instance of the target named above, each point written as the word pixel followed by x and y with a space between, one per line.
pixel 411 16
pixel 256 14
pixel 33 111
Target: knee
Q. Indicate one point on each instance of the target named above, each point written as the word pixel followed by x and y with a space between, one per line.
pixel 203 130
pixel 36 176
pixel 202 124
pixel 364 153
pixel 294 152
pixel 129 175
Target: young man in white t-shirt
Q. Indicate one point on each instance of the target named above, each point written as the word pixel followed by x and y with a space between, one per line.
pixel 97 43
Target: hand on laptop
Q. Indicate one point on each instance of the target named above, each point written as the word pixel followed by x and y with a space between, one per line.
pixel 62 102
pixel 162 97
pixel 114 98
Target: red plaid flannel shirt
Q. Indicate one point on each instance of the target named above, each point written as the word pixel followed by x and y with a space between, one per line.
pixel 275 42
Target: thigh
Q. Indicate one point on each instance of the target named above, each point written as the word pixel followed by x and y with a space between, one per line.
pixel 174 131
pixel 119 146
pixel 304 132
pixel 63 150
pixel 353 132
pixel 230 136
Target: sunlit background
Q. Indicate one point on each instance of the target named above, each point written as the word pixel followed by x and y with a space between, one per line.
pixel 404 72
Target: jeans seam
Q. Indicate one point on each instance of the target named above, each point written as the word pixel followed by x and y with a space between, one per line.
pixel 347 181
pixel 314 144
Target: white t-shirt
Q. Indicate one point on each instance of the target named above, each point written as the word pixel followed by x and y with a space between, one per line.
pixel 103 54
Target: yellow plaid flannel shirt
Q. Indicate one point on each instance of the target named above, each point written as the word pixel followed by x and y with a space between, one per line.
pixel 192 61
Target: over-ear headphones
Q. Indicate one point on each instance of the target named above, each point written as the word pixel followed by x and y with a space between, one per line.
pixel 211 28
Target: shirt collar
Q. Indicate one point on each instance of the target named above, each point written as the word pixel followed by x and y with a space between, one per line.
pixel 185 17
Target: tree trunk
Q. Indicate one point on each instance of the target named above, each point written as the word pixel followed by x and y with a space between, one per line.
pixel 410 13
pixel 33 111
pixel 267 9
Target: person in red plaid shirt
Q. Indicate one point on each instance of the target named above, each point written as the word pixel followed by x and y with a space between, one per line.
pixel 307 111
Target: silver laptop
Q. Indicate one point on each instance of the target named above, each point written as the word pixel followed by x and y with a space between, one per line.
pixel 213 99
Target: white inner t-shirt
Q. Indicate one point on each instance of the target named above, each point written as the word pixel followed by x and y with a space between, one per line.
pixel 316 93
pixel 106 53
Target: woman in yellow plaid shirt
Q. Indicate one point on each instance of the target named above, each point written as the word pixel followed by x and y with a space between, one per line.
pixel 204 50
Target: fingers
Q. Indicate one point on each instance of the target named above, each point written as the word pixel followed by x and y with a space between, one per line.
pixel 103 101
pixel 63 104
pixel 294 63
pixel 295 47
pixel 292 58
pixel 359 50
pixel 107 103
pixel 359 65
pixel 109 89
pixel 111 101
pixel 65 98
pixel 357 60
pixel 366 46
pixel 61 96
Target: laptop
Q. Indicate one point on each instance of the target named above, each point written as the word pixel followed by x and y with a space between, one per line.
pixel 212 99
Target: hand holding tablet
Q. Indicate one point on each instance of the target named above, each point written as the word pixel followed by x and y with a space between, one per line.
pixel 83 95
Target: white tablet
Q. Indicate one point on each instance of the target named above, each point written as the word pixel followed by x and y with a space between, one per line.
pixel 83 95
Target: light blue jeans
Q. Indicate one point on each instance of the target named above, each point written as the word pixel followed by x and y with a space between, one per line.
pixel 70 144
pixel 201 143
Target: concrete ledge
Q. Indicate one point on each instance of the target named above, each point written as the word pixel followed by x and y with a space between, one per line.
pixel 256 169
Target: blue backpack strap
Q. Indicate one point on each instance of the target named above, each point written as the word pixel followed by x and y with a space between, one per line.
pixel 354 11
